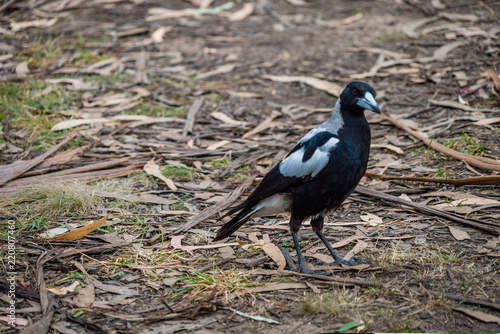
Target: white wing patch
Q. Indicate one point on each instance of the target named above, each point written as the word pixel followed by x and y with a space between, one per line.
pixel 294 166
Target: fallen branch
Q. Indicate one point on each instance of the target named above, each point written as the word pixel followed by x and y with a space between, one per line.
pixel 466 300
pixel 481 180
pixel 429 210
pixel 463 299
pixel 221 205
pixel 480 162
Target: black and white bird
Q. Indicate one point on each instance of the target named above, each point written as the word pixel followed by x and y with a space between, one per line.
pixel 318 174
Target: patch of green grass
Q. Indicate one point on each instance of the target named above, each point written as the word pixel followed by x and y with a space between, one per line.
pixel 179 205
pixel 467 144
pixel 286 244
pixel 34 107
pixel 177 172
pixel 40 53
pixel 87 57
pixel 441 172
pixel 237 177
pixel 220 163
pixel 415 151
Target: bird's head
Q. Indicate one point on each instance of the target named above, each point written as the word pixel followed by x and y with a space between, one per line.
pixel 358 96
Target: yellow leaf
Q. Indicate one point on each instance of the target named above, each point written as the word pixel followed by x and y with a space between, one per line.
pixel 81 231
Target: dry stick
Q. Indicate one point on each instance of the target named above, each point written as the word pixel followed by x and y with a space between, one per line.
pixel 330 278
pixel 195 107
pixel 480 162
pixel 7 5
pixel 428 210
pixel 463 299
pixel 93 250
pixel 481 180
pixel 221 205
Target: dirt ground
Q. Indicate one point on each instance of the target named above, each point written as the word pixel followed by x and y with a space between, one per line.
pixel 180 107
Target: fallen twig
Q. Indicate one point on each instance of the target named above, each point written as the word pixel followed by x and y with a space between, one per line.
pixel 429 210
pixel 480 180
pixel 221 205
pixel 195 107
pixel 480 162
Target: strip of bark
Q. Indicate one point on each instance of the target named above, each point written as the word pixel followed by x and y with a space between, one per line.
pixel 12 171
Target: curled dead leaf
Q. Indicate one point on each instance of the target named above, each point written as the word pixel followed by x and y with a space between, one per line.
pixel 64 290
pixel 153 169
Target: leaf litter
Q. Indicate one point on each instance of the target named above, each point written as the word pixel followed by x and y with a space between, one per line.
pixel 172 85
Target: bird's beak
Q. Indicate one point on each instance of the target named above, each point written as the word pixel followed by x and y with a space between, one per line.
pixel 368 102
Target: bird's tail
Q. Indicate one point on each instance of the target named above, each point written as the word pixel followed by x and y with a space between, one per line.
pixel 231 226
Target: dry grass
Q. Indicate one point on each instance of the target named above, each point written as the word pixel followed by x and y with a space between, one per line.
pixel 431 260
pixel 52 199
pixel 218 285
pixel 73 198
pixel 341 302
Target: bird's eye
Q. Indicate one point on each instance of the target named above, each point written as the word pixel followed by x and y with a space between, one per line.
pixel 355 92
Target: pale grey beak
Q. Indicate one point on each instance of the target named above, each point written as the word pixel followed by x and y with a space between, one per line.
pixel 368 102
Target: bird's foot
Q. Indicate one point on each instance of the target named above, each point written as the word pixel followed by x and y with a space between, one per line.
pixel 308 271
pixel 351 262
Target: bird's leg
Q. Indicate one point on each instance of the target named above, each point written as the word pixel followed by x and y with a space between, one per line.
pixel 294 228
pixel 317 226
pixel 300 260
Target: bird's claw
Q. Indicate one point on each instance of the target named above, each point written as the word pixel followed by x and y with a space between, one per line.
pixel 305 270
pixel 351 262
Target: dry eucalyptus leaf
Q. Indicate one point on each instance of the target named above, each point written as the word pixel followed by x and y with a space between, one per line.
pixel 82 231
pixel 153 169
pixel 371 219
pixel 85 297
pixel 360 246
pixel 458 233
pixel 274 253
pixel 64 290
pixel 22 69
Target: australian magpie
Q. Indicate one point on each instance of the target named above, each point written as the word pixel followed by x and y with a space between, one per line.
pixel 318 174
